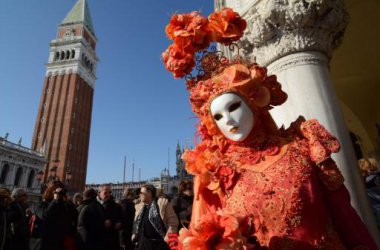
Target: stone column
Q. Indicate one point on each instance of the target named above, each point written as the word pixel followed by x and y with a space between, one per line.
pixel 295 40
pixel 26 170
pixel 11 173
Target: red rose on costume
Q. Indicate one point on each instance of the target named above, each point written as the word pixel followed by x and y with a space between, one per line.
pixel 198 32
pixel 227 26
pixel 278 96
pixel 261 96
pixel 208 229
pixel 177 61
pixel 193 32
pixel 190 31
pixel 216 231
pixel 258 74
pixel 226 177
pixel 205 158
pixel 230 225
pixel 178 23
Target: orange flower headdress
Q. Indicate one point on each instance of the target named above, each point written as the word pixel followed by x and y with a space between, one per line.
pixel 192 34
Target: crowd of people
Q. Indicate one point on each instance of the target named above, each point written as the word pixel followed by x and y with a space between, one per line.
pixel 145 218
pixel 371 178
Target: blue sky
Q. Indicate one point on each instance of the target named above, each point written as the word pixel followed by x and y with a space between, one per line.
pixel 139 109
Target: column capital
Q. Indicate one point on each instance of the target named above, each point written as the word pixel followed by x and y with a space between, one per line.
pixel 281 27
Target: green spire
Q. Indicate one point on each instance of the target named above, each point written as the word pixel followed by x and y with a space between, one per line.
pixel 80 13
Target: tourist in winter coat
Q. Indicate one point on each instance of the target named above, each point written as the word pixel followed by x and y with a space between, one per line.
pixel 183 203
pixel 20 240
pixel 53 219
pixel 5 220
pixel 113 218
pixel 91 222
pixel 154 220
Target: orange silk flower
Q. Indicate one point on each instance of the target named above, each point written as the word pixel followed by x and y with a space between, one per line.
pixel 227 26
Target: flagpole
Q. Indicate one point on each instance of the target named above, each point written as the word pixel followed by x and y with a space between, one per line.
pixel 139 174
pixel 125 166
pixel 133 171
pixel 169 160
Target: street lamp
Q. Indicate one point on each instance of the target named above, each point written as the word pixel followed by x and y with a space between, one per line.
pixel 40 176
pixel 53 172
pixel 68 177
pixel 40 179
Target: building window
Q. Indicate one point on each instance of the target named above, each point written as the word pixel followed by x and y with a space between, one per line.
pixel 72 130
pixel 67 54
pixel 4 174
pixel 74 115
pixel 18 176
pixel 72 54
pixel 56 56
pixel 75 100
pixel 70 147
pixel 42 119
pixel 30 179
pixel 48 90
pixel 62 55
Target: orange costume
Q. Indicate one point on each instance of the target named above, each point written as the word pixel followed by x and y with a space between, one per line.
pixel 277 188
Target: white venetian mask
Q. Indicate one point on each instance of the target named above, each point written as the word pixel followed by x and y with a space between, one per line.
pixel 233 116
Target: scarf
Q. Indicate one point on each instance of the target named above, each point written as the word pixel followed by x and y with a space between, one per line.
pixel 153 217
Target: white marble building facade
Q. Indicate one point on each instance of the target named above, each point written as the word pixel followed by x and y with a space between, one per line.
pixel 118 188
pixel 19 167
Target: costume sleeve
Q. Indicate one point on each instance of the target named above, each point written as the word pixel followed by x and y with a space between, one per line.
pixel 205 201
pixel 351 229
pixel 321 143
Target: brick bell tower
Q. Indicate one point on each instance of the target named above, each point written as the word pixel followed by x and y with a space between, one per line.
pixel 62 129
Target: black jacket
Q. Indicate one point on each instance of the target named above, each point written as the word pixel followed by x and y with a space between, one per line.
pixel 182 205
pixel 112 212
pixel 20 240
pixel 5 229
pixel 57 219
pixel 91 225
pixel 129 210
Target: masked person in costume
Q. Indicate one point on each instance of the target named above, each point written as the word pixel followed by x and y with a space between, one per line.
pixel 255 186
